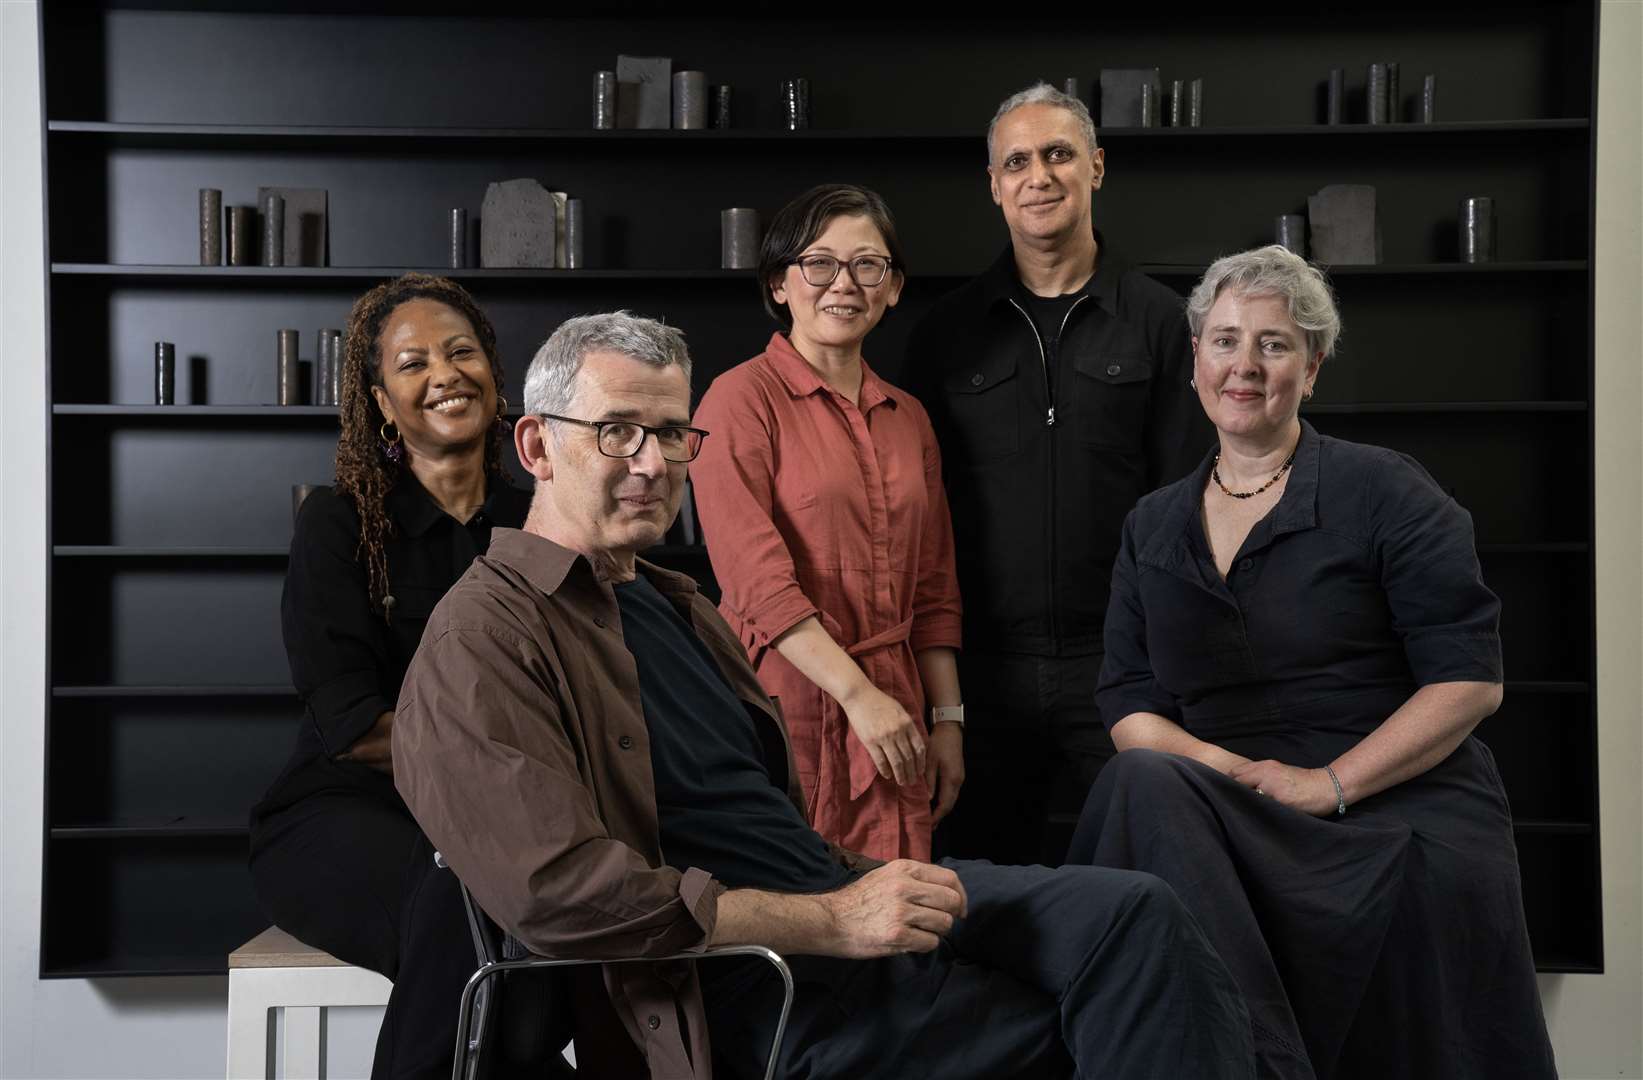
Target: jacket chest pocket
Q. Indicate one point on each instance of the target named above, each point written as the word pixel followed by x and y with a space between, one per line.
pixel 1109 394
pixel 982 403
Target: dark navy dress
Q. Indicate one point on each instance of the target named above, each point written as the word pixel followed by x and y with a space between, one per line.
pixel 1386 943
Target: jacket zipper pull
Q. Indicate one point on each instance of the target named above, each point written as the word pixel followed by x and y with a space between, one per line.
pixel 1050 420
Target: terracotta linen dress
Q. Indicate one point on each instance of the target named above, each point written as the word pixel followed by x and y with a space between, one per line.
pixel 812 505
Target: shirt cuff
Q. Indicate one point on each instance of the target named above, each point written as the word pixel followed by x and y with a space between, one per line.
pixel 776 616
pixel 938 630
pixel 700 894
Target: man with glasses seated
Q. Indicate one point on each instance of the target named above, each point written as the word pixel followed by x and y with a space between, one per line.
pixel 583 738
pixel 1057 385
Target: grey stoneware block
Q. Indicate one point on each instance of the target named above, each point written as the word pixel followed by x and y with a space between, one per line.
pixel 1394 96
pixel 1071 87
pixel 165 373
pixel 327 367
pixel 458 225
pixel 273 229
pixel 210 227
pixel 1429 99
pixel 738 238
pixel 288 370
pixel 627 106
pixel 1195 104
pixel 517 224
pixel 1345 230
pixel 576 257
pixel 1124 94
pixel 721 107
pixel 1177 106
pixel 1477 229
pixel 305 224
pixel 652 79
pixel 242 222
pixel 690 100
pixel 604 100
pixel 1289 230
pixel 560 201
pixel 1336 105
pixel 1375 94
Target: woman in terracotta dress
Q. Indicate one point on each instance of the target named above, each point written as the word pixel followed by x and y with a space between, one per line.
pixel 821 500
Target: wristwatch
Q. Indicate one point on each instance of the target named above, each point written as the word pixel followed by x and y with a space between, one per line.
pixel 947 714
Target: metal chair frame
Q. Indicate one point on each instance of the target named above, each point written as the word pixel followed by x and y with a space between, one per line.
pixel 476 996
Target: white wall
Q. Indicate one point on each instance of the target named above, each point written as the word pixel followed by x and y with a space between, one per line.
pixel 174 1027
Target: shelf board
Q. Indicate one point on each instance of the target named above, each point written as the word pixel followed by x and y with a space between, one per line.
pixel 1546 686
pixel 124 966
pixel 371 273
pixel 268 412
pixel 1552 828
pixel 1374 407
pixel 171 691
pixel 364 137
pixel 121 551
pixel 221 274
pixel 1560 547
pixel 175 829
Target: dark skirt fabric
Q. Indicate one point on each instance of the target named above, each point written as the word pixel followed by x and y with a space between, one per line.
pixel 1386 943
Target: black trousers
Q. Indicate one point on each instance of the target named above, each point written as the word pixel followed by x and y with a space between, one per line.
pixel 344 868
pixel 1033 745
pixel 1077 971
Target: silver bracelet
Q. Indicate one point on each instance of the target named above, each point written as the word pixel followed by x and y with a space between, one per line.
pixel 1340 796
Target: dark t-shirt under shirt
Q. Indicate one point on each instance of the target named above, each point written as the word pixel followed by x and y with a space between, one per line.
pixel 716 804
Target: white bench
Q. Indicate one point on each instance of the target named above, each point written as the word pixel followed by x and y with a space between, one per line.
pixel 276 971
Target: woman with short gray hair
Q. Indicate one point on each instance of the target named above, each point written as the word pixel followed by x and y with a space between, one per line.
pixel 1298 648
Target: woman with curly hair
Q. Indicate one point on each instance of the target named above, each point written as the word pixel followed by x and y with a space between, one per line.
pixel 336 858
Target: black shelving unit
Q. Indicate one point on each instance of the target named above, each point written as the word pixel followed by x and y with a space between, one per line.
pixel 170 708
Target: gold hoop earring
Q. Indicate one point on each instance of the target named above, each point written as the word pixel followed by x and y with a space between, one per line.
pixel 391 448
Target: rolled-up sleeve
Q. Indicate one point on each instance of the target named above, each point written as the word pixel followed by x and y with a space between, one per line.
pixel 734 483
pixel 333 640
pixel 1446 617
pixel 485 765
pixel 1127 683
pixel 938 615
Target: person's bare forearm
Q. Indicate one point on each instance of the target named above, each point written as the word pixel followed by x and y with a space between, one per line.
pixel 938 671
pixel 789 923
pixel 1425 730
pixel 822 660
pixel 1153 732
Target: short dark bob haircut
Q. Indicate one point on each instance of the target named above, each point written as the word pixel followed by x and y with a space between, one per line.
pixel 797 225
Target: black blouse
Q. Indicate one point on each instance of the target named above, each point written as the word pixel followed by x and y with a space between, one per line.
pixel 1359 586
pixel 347 660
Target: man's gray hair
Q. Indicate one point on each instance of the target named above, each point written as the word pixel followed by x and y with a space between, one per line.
pixel 1042 93
pixel 1272 271
pixel 550 382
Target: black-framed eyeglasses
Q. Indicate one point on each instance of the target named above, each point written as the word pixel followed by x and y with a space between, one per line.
pixel 623 438
pixel 865 270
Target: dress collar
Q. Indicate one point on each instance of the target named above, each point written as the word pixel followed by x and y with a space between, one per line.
pixel 1169 546
pixel 802 380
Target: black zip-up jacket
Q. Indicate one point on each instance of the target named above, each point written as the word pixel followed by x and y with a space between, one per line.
pixel 1039 488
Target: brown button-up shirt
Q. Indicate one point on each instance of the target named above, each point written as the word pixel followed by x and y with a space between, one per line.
pixel 521 747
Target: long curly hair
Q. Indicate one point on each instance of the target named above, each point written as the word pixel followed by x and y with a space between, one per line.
pixel 364 473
